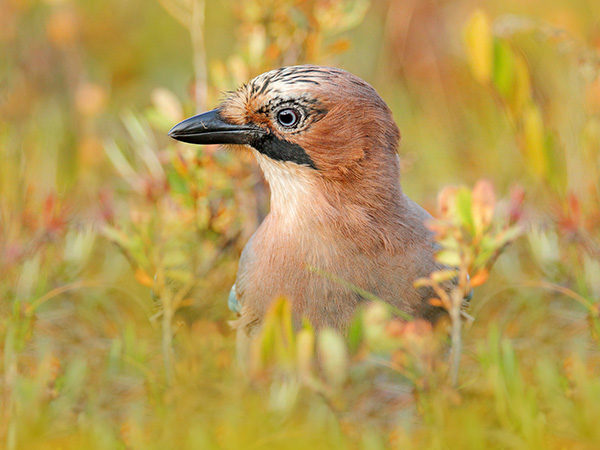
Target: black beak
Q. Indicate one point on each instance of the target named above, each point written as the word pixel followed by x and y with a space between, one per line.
pixel 211 128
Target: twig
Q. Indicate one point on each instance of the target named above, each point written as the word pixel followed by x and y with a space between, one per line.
pixel 457 296
pixel 198 47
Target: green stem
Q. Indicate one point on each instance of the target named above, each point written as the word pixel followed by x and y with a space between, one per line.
pixel 167 338
pixel 456 337
pixel 199 57
pixel 456 297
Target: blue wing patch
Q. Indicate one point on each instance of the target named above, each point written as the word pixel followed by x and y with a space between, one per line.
pixel 232 302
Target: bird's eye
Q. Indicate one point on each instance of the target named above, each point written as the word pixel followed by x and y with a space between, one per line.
pixel 288 117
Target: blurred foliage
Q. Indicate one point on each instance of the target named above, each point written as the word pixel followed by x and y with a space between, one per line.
pixel 469 241
pixel 118 247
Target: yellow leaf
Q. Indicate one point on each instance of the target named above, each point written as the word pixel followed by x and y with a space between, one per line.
pixel 440 276
pixel 450 258
pixel 533 130
pixel 522 85
pixel 480 45
pixel 333 356
pixel 305 349
pixel 422 282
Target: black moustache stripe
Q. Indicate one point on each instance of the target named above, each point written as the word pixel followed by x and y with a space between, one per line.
pixel 282 150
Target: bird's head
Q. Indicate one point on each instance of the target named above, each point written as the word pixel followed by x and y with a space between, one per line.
pixel 320 121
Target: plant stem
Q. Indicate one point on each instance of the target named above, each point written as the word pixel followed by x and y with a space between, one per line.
pixel 198 47
pixel 456 296
pixel 455 336
pixel 167 337
pixel 10 364
pixel 167 305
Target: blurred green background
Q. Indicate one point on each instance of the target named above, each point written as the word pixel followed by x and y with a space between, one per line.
pixel 118 246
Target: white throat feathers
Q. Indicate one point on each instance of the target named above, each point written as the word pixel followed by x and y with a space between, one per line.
pixel 294 196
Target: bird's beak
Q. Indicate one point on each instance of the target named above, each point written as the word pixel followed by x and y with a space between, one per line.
pixel 211 128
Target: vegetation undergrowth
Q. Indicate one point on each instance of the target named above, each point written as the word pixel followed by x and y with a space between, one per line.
pixel 118 247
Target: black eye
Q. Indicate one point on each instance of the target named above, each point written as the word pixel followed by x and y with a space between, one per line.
pixel 288 117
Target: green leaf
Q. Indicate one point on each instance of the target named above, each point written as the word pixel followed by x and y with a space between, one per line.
pixel 116 235
pixel 504 68
pixel 356 332
pixel 509 235
pixel 175 258
pixel 450 258
pixel 176 183
pixel 464 203
pixel 522 86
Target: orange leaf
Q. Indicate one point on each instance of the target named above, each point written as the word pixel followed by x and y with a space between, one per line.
pixel 339 46
pixel 480 277
pixel 436 302
pixel 143 278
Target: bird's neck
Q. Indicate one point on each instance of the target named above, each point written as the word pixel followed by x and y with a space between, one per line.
pixel 302 203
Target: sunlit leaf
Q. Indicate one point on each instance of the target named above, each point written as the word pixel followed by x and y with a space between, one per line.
pixel 450 258
pixel 522 85
pixel 508 235
pixel 480 45
pixel 534 140
pixel 175 257
pixel 480 277
pixel 339 46
pixel 464 208
pixel 436 302
pixel 305 350
pixel 356 331
pixel 443 275
pixel 116 235
pixel 422 282
pixel 504 68
pixel 179 275
pixel 333 356
pixel 143 278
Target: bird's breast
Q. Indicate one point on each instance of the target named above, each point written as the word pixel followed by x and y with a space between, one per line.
pixel 325 278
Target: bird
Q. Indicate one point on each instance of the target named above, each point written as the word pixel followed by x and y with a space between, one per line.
pixel 340 230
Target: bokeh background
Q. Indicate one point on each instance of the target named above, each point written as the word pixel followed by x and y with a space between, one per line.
pixel 118 246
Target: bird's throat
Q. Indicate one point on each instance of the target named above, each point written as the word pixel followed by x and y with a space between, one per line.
pixel 294 191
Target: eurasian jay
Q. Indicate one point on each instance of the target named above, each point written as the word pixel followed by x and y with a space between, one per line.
pixel 340 230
